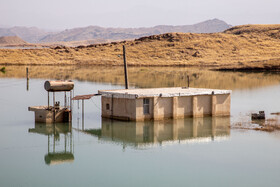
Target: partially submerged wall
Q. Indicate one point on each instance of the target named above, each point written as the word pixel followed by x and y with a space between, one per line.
pixel 166 107
pixel 119 108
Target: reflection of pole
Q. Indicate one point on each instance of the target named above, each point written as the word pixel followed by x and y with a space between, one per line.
pixel 65 142
pixel 125 68
pixel 27 79
pixel 27 84
pixel 71 141
pixel 53 143
pixel 48 143
pixel 83 115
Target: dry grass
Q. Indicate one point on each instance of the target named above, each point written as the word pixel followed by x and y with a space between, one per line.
pixel 243 46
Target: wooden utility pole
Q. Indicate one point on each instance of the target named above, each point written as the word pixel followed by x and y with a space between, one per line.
pixel 125 68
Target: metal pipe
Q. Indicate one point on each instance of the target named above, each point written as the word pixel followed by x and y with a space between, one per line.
pixel 54 107
pixel 65 100
pixel 48 100
pixel 70 100
pixel 53 99
pixel 48 143
pixel 112 106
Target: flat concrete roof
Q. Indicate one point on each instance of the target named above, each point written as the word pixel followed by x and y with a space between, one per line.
pixel 161 92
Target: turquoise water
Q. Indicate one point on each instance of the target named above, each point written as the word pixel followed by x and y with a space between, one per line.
pixel 188 152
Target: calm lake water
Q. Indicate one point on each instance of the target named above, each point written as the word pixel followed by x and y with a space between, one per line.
pixel 186 152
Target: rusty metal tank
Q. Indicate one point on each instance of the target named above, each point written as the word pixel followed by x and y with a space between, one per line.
pixel 59 86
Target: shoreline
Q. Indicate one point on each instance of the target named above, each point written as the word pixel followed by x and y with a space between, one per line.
pixel 269 69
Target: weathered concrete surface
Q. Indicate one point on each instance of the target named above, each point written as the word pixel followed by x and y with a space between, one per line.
pixel 128 104
pixel 161 92
pixel 118 108
pixel 51 115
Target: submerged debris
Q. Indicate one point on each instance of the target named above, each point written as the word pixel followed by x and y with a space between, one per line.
pixel 269 125
pixel 260 115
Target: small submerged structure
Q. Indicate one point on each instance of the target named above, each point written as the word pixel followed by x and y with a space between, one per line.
pixel 161 103
pixel 55 113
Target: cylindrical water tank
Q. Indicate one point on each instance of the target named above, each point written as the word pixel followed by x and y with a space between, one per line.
pixel 59 86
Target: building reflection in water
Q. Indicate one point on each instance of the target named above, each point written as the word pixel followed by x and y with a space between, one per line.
pixel 60 150
pixel 150 133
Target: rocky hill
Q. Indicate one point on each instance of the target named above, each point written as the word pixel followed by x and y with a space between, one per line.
pixel 245 46
pixel 260 30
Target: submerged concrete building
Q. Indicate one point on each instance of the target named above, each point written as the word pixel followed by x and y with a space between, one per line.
pixel 160 103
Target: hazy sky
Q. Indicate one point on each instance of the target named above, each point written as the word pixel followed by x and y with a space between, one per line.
pixel 62 14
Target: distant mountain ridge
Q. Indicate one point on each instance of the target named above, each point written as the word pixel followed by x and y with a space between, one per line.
pixel 29 34
pixel 96 33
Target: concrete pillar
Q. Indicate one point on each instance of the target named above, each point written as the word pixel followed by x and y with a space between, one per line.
pixel 194 106
pixel 175 107
pixel 155 108
pixel 214 102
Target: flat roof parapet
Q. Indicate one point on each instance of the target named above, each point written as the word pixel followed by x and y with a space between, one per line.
pixel 161 92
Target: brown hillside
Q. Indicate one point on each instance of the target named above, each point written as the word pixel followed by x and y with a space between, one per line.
pixel 239 47
pixel 261 30
pixel 11 40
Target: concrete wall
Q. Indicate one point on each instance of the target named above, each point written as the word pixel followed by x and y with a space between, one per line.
pixel 221 105
pixel 46 116
pixel 184 107
pixel 119 108
pixel 167 107
pixel 163 108
pixel 202 105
